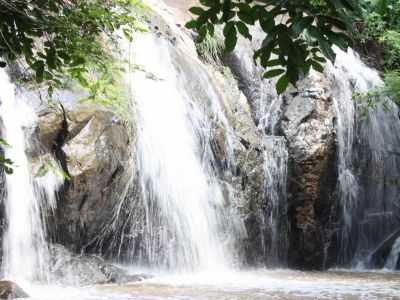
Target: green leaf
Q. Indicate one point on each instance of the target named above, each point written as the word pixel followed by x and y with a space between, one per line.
pixel 319 59
pixel 273 63
pixel 317 66
pixel 244 30
pixel 197 10
pixel 191 24
pixel 267 24
pixel 282 84
pixel 273 73
pixel 38 67
pixel 284 40
pixel 299 25
pixel 230 36
pixel 246 17
pixel 42 171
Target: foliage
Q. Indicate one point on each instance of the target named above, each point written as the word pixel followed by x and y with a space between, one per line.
pixel 381 23
pixel 67 40
pixel 392 85
pixel 381 95
pixel 298 32
pixel 56 37
pixel 49 166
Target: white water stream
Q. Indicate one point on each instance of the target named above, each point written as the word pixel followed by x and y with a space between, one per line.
pixel 27 199
pixel 186 228
pixel 367 161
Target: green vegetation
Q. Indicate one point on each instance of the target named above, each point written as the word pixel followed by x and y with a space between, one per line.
pixel 381 25
pixel 300 34
pixel 57 37
pixel 64 42
pixel 49 166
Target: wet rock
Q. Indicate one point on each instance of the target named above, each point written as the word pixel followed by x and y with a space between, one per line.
pixel 95 148
pixel 309 130
pixel 10 290
pixel 70 269
pixel 379 257
pixel 244 181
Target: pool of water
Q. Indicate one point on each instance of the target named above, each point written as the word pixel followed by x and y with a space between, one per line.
pixel 245 285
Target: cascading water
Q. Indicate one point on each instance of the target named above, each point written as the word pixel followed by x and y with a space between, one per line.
pixel 367 165
pixel 394 256
pixel 267 111
pixel 27 200
pixel 274 218
pixel 187 224
pixel 347 183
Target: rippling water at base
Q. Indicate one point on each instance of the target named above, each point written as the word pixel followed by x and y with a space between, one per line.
pixel 246 285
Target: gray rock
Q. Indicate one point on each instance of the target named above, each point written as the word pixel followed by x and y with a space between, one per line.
pixel 10 290
pixel 309 130
pixel 70 269
pixel 96 150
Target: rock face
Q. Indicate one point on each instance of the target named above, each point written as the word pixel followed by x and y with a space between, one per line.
pixel 10 290
pixel 246 176
pixel 302 121
pixel 308 127
pixel 95 149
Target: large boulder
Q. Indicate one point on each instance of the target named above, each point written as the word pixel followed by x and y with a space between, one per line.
pixel 10 290
pixel 96 150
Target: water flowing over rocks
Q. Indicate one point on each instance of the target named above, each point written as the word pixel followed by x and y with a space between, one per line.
pixel 264 175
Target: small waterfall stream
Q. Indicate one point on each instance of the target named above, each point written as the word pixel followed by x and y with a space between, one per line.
pixel 275 219
pixel 368 164
pixel 187 225
pixel 27 199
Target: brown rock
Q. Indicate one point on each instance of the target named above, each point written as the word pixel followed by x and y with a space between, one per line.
pixel 10 290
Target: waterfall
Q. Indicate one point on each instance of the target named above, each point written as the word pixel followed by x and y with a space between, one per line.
pixel 274 218
pixel 267 114
pixel 189 225
pixel 347 186
pixel 368 166
pixel 394 256
pixel 27 200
